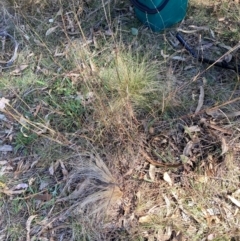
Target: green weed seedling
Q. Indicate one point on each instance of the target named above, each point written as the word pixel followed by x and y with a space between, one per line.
pixel 23 141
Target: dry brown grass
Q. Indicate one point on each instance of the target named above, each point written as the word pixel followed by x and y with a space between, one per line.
pixel 91 102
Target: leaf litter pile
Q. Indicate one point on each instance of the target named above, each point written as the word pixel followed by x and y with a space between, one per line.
pixel 168 176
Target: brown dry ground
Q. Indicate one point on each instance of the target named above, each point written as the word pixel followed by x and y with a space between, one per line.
pixel 118 136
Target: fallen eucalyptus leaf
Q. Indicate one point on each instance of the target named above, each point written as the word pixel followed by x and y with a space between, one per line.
pixel 51 30
pixel 200 100
pixel 28 226
pixel 224 145
pixel 64 170
pixel 6 148
pixel 164 55
pixel 212 33
pixel 179 58
pixel 20 186
pixel 152 172
pixel 234 200
pixel 188 149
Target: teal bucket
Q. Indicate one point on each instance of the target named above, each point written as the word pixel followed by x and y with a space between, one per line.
pixel 160 14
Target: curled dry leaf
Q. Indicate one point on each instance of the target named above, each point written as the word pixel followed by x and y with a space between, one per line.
pixel 31 181
pixel 224 145
pixel 168 205
pixel 59 54
pixel 215 112
pixel 164 55
pixel 23 121
pixel 37 109
pixel 3 103
pixel 152 172
pixel 167 178
pixel 51 30
pixel 187 151
pixel 34 163
pixel 212 219
pixel 53 167
pixel 64 170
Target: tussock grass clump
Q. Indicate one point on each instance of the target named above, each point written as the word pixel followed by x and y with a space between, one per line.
pixel 130 79
pixel 129 87
pixel 102 188
pixel 124 86
pixel 134 84
pixel 96 192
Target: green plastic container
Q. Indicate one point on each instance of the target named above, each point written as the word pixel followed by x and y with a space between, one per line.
pixel 160 14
